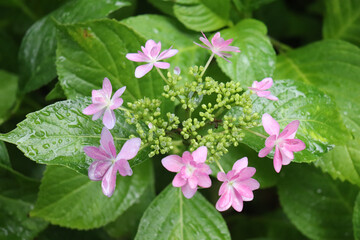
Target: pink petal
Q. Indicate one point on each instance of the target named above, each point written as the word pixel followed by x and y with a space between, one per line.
pixel 223 188
pixel 107 142
pixel 240 164
pixel 205 40
pixel 200 154
pixel 270 141
pixel 129 149
pixel 123 167
pixel 167 54
pixel 188 191
pixel 224 201
pixel 221 176
pixel 98 114
pixel 172 163
pixel 264 152
pixel 118 93
pixel 149 45
pixel 254 86
pixel 107 88
pixel 263 93
pixel 265 84
pixel 154 52
pixel 162 65
pixel 204 180
pixel 116 103
pixel 271 126
pixel 290 130
pixel 202 45
pixel 141 70
pixel 109 118
pixel 187 157
pixel 285 152
pixel 216 40
pixel 294 145
pixel 96 153
pixel 177 70
pixel 230 48
pixel 251 183
pixel 272 97
pixel 237 202
pixel 98 169
pixel 243 190
pixel 109 181
pixel 277 160
pixel 179 181
pixel 98 96
pixel 136 57
pixel 193 181
pixel 285 160
pixel 246 173
pixel 93 108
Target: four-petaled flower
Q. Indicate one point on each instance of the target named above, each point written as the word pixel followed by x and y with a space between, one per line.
pixel 192 170
pixel 284 143
pixel 108 163
pixel 237 187
pixel 102 103
pixel 150 54
pixel 260 88
pixel 218 45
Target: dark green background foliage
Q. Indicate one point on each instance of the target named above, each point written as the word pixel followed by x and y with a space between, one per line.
pixel 53 53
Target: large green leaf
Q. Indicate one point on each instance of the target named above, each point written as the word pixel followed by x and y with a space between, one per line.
pixel 88 52
pixel 37 51
pixel 257 57
pixel 334 67
pixel 356 218
pixel 4 156
pixel 342 20
pixel 57 134
pixel 203 15
pixel 9 85
pixel 343 162
pixel 320 207
pixel 169 32
pixel 320 124
pixel 172 216
pixel 72 200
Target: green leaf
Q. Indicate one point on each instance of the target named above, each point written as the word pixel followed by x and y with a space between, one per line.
pixel 343 162
pixel 56 93
pixel 320 207
pixel 88 52
pixel 342 20
pixel 37 51
pixel 15 222
pixel 72 200
pixel 334 67
pixel 356 218
pixel 247 6
pixel 203 15
pixel 265 173
pixel 169 32
pixel 57 134
pixel 4 156
pixel 257 57
pixel 165 6
pixel 172 216
pixel 9 85
pixel 320 124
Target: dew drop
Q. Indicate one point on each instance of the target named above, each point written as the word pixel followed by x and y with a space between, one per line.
pixel 46 146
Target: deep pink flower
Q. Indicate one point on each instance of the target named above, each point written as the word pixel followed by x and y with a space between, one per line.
pixel 237 187
pixel 218 45
pixel 102 103
pixel 284 143
pixel 151 54
pixel 107 163
pixel 192 170
pixel 261 87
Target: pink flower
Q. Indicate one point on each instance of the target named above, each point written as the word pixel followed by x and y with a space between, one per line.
pixel 237 187
pixel 218 45
pixel 102 104
pixel 107 163
pixel 284 143
pixel 260 87
pixel 151 54
pixel 192 170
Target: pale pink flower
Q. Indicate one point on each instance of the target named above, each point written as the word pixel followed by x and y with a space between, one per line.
pixel 151 54
pixel 260 88
pixel 237 187
pixel 108 163
pixel 218 45
pixel 103 104
pixel 285 144
pixel 192 170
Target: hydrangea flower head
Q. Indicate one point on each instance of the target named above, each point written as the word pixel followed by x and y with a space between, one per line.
pixel 107 163
pixel 260 88
pixel 103 104
pixel 237 187
pixel 151 54
pixel 284 143
pixel 218 45
pixel 192 171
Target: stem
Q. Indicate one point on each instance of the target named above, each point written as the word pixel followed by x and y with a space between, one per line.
pixel 125 109
pixel 162 76
pixel 279 45
pixel 207 64
pixel 27 10
pixel 219 166
pixel 256 133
